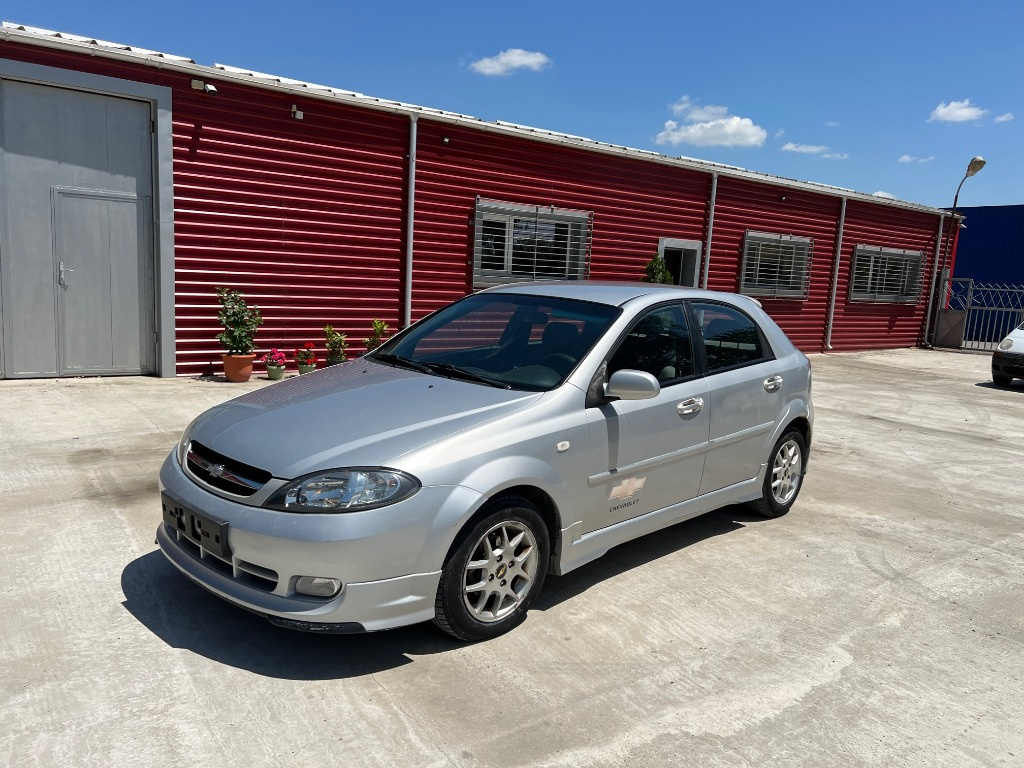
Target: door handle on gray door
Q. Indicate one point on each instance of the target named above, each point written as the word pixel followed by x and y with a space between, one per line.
pixel 60 277
pixel 689 406
pixel 773 384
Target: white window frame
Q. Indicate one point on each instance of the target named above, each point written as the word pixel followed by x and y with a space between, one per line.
pixel 765 255
pixel 497 222
pixel 875 271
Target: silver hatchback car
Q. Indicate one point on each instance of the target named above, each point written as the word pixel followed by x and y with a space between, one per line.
pixel 521 431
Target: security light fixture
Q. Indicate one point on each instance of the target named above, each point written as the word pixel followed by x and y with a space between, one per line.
pixel 199 85
pixel 297 113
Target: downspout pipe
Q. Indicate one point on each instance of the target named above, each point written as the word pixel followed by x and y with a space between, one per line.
pixel 711 229
pixel 410 225
pixel 835 278
pixel 932 298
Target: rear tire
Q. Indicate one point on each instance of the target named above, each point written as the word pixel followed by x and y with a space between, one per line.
pixel 783 477
pixel 1002 381
pixel 494 571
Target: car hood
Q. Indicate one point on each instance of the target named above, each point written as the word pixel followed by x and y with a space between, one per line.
pixel 359 413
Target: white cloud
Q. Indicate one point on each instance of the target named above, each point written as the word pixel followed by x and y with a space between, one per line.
pixel 506 62
pixel 780 133
pixel 831 124
pixel 709 126
pixel 886 195
pixel 1005 118
pixel 804 149
pixel 836 155
pixel 730 132
pixel 957 112
pixel 912 159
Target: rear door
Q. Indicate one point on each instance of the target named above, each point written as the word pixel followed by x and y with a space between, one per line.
pixel 744 396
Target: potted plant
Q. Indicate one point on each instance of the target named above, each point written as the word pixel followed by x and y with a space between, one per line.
pixel 275 361
pixel 656 271
pixel 336 345
pixel 305 358
pixel 377 335
pixel 240 322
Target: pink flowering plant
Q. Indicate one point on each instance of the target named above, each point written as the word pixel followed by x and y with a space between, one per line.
pixel 275 358
pixel 306 354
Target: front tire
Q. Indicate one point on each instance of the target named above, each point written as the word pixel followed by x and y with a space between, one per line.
pixel 784 476
pixel 494 571
pixel 1002 381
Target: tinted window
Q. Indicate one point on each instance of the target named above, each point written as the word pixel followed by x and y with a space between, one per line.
pixel 730 337
pixel 658 343
pixel 526 342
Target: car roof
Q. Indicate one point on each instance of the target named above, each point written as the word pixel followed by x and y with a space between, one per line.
pixel 605 292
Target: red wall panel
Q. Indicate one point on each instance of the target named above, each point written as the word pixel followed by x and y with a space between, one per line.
pixel 741 205
pixel 862 325
pixel 634 203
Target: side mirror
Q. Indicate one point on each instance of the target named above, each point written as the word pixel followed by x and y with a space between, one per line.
pixel 632 385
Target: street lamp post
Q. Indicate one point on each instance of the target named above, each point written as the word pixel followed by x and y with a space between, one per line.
pixel 976 164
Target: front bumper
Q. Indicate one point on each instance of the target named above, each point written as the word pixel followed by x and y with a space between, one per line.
pixel 378 555
pixel 1007 364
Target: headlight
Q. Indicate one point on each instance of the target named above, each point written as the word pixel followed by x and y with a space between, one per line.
pixel 1005 344
pixel 344 490
pixel 183 443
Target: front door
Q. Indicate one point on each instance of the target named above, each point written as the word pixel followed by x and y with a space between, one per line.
pixel 649 454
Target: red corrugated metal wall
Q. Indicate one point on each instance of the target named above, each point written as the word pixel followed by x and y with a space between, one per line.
pixel 634 203
pixel 860 325
pixel 741 205
pixel 305 218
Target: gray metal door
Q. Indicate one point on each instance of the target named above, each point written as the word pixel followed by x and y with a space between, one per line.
pixel 76 244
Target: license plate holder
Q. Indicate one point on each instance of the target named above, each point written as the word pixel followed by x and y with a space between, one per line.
pixel 209 534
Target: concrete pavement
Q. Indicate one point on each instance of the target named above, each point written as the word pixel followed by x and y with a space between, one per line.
pixel 880 623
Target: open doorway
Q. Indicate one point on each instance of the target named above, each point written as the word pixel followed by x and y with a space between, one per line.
pixel 682 259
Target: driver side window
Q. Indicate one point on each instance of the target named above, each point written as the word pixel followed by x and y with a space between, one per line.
pixel 657 343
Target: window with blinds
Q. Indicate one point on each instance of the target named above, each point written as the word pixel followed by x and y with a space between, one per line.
pixel 777 266
pixel 886 275
pixel 518 243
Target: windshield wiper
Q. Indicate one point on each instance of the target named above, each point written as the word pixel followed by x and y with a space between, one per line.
pixel 402 362
pixel 447 369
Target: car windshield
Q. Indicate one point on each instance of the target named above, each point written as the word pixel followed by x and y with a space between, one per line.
pixel 506 340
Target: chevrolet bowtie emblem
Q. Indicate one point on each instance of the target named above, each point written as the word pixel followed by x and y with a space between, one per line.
pixel 627 488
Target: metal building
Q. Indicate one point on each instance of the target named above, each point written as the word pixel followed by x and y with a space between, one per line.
pixel 135 182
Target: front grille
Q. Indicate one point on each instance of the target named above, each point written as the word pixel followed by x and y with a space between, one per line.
pixel 224 473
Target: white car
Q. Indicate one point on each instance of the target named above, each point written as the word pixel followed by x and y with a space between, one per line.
pixel 1008 359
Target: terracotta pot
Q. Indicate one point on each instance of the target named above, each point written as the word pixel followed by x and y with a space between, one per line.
pixel 238 367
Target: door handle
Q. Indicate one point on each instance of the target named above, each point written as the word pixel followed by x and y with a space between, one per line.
pixel 773 384
pixel 690 406
pixel 60 277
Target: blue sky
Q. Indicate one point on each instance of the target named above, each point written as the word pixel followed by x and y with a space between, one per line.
pixel 880 97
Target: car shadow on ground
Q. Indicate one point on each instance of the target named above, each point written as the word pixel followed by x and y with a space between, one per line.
pixel 1016 385
pixel 186 616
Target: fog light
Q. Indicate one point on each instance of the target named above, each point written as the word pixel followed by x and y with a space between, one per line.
pixel 317 586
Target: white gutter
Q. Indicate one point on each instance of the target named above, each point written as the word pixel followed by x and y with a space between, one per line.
pixel 410 225
pixel 711 229
pixel 835 277
pixel 932 298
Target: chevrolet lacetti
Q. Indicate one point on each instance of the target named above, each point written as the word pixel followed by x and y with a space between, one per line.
pixel 521 431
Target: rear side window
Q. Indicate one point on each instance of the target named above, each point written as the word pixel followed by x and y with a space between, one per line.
pixel 731 338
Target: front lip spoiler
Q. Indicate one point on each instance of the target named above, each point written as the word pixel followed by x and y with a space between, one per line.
pixel 318 627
